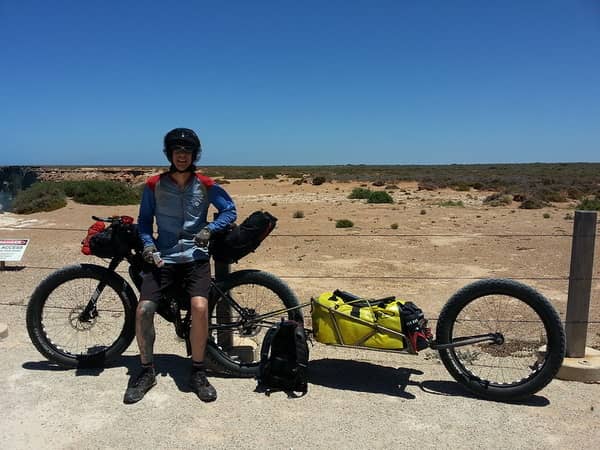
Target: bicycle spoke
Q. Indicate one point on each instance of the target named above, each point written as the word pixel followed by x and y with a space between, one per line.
pixel 512 361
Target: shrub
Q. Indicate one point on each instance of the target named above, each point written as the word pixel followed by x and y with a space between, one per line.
pixel 269 176
pixel 497 199
pixel 380 197
pixel 546 215
pixel 589 204
pixel 317 181
pixel 427 186
pixel 360 193
pixel 45 196
pixel 423 212
pixel 378 183
pixel 391 187
pixel 452 203
pixel 533 203
pixel 394 226
pixel 344 223
pixel 549 195
pixel 574 193
pixel 298 214
pixel 461 186
pixel 101 192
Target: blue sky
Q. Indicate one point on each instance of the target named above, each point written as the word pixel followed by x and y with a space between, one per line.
pixel 301 82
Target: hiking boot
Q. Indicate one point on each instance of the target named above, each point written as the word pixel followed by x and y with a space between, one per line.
pixel 203 389
pixel 139 386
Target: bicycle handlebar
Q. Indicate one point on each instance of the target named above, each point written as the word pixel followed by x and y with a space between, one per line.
pixel 114 219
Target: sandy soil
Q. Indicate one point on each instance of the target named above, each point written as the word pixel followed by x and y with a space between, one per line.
pixel 435 250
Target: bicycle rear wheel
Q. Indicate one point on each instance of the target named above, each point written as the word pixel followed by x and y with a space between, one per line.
pixel 265 299
pixel 530 340
pixel 59 331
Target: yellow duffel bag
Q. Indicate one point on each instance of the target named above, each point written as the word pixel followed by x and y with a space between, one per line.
pixel 335 321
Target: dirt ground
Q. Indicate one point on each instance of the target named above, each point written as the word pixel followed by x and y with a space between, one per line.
pixel 356 398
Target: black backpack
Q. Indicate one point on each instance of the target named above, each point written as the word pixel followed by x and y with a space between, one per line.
pixel 284 359
pixel 235 243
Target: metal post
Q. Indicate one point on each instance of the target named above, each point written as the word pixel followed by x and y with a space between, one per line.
pixel 580 282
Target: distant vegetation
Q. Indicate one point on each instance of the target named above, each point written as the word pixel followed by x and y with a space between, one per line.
pixel 359 193
pixel 39 197
pixel 452 203
pixel 552 182
pixel 101 192
pixel 380 197
pixel 48 195
pixel 589 204
pixel 344 223
pixel 531 185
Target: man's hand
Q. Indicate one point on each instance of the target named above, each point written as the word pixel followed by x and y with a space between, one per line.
pixel 147 253
pixel 202 238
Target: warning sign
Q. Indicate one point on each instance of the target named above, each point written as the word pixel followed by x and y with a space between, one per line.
pixel 12 249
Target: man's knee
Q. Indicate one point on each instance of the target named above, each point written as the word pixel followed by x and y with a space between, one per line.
pixel 199 306
pixel 146 309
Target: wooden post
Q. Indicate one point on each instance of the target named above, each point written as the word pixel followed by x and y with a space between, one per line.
pixel 580 282
pixel 224 338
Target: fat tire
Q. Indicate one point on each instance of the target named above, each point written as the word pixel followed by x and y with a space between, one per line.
pixel 36 305
pixel 555 348
pixel 216 358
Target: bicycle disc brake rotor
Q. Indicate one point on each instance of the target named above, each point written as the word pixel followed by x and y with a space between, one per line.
pixel 76 322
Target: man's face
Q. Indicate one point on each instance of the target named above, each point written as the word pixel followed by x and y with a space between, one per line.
pixel 182 159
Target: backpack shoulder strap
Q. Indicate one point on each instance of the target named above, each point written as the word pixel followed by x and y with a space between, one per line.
pixel 266 348
pixel 301 357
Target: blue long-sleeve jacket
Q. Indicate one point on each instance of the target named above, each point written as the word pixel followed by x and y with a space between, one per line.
pixel 180 214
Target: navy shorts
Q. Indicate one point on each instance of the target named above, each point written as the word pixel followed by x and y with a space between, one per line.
pixel 193 276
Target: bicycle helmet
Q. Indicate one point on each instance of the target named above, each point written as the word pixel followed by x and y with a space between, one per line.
pixel 182 138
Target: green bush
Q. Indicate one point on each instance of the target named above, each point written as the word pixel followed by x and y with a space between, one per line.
pixel 298 214
pixel 498 199
pixel 380 197
pixel 461 187
pixel 452 203
pixel 589 204
pixel 549 195
pixel 533 203
pixel 344 223
pixel 101 192
pixel 45 196
pixel 317 181
pixel 360 193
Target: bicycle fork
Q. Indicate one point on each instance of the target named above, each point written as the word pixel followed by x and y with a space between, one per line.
pixel 90 311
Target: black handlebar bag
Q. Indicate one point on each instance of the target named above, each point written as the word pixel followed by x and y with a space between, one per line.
pixel 240 240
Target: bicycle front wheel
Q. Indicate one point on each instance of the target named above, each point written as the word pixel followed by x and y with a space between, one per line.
pixel 247 303
pixel 528 346
pixel 60 330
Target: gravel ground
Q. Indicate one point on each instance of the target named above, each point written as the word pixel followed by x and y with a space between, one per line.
pixel 356 399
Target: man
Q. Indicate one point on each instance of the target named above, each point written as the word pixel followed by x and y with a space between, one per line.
pixel 179 200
